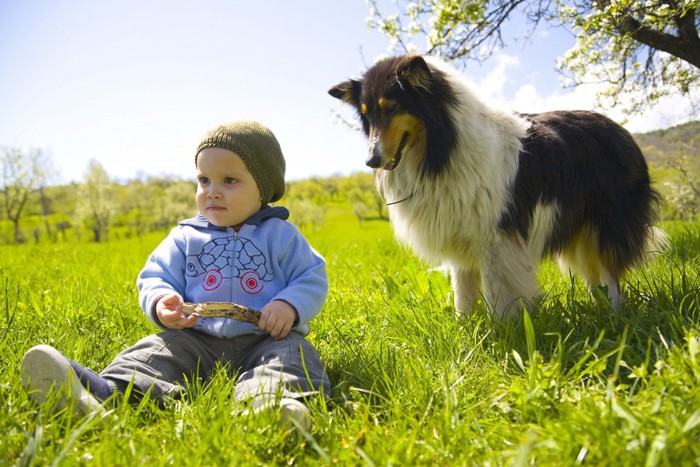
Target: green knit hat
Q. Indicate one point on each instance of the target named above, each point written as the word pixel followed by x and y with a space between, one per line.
pixel 259 149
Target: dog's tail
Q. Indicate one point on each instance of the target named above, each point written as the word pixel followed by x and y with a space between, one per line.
pixel 657 242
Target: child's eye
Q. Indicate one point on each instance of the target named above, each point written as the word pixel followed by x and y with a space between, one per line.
pixel 203 180
pixel 229 180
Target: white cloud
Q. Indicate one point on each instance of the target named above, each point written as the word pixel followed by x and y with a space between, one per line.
pixel 669 111
pixel 528 97
pixel 493 84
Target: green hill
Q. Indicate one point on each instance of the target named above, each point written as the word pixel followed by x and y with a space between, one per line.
pixel 660 143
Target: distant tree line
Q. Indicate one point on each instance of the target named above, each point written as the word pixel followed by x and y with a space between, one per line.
pixel 35 208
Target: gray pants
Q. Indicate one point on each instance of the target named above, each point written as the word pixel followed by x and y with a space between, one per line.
pixel 266 368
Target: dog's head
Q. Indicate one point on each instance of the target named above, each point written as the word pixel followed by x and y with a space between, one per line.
pixel 403 105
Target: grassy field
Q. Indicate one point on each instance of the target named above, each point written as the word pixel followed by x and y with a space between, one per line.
pixel 567 383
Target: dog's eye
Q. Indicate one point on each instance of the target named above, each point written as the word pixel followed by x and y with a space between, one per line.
pixel 390 108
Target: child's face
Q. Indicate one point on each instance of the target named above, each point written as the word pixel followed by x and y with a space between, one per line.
pixel 227 193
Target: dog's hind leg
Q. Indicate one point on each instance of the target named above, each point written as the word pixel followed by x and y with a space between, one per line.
pixel 613 289
pixel 582 257
pixel 466 286
pixel 509 275
pixel 616 297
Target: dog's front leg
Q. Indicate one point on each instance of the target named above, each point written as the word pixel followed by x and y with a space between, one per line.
pixel 466 286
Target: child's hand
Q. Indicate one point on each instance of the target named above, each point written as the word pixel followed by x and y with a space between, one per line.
pixel 170 315
pixel 277 318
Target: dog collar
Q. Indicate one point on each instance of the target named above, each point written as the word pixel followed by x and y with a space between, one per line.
pixel 400 201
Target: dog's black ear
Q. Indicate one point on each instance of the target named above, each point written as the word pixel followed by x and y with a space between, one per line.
pixel 347 91
pixel 415 72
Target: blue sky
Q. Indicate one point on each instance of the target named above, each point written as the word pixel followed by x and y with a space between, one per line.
pixel 134 84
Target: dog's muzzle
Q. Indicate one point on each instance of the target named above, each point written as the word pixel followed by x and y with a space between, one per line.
pixel 376 161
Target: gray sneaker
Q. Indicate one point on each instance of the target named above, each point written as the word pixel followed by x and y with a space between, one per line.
pixel 293 413
pixel 45 370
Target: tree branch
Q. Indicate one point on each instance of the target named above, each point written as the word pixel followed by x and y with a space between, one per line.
pixel 687 50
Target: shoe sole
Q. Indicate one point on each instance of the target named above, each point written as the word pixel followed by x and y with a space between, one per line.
pixel 45 370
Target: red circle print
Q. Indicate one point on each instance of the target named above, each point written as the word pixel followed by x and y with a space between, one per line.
pixel 212 280
pixel 251 283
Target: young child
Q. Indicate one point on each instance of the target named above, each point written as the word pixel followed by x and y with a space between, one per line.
pixel 240 250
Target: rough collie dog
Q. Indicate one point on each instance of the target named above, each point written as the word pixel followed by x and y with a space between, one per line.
pixel 490 193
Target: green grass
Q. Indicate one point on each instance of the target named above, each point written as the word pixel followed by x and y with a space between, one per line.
pixel 567 383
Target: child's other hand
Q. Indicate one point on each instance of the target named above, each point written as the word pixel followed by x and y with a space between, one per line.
pixel 277 318
pixel 170 314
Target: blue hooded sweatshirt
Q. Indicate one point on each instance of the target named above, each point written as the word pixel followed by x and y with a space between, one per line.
pixel 267 259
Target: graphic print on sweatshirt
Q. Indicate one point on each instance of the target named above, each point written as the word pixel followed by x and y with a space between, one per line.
pixel 221 255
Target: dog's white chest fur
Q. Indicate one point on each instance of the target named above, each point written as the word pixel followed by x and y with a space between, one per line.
pixel 455 215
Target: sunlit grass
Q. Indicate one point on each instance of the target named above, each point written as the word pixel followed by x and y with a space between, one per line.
pixel 570 382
